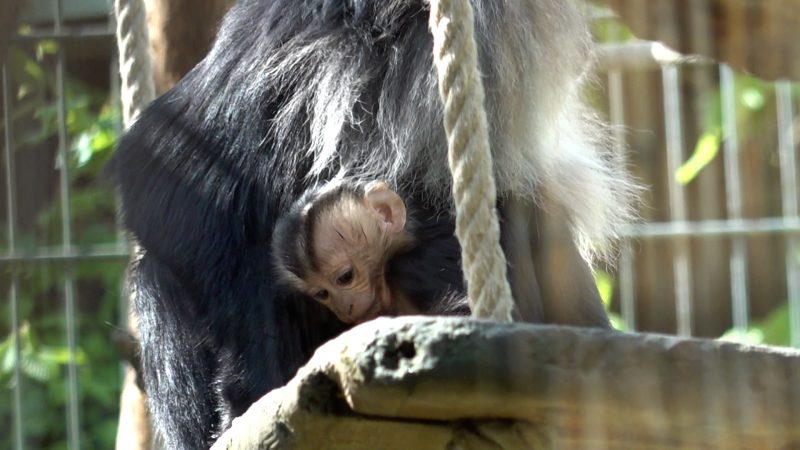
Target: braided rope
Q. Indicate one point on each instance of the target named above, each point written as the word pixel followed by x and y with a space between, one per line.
pixel 136 91
pixel 137 88
pixel 474 191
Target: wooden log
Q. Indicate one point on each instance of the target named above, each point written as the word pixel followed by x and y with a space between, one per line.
pixel 434 383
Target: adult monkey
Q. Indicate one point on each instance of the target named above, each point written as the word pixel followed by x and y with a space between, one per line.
pixel 294 93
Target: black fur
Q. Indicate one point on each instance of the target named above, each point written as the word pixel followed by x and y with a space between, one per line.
pixel 429 272
pixel 292 92
pixel 203 174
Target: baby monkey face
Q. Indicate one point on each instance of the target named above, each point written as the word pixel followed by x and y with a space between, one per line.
pixel 351 259
pixel 352 242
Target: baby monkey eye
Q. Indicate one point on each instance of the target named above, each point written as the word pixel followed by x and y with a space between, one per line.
pixel 321 295
pixel 345 278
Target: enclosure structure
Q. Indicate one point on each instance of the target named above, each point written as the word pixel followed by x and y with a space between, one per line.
pixel 36 257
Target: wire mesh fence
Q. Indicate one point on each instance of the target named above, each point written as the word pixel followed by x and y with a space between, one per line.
pixel 735 225
pixel 63 254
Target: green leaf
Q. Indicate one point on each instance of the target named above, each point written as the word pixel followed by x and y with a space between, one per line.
pixel 9 356
pixel 82 148
pixel 62 355
pixel 46 47
pixel 617 322
pixel 103 140
pixel 38 369
pixel 91 143
pixel 753 99
pixel 605 285
pixel 751 336
pixel 776 326
pixel 772 330
pixel 33 70
pixel 705 151
pixel 37 363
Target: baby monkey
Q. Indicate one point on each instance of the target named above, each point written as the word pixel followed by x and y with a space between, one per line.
pixel 355 248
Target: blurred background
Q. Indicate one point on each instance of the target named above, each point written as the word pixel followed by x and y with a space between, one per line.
pixel 716 253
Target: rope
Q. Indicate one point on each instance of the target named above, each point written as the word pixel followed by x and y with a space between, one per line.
pixel 474 191
pixel 137 88
pixel 136 91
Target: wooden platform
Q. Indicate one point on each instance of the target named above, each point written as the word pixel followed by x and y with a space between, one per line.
pixel 423 383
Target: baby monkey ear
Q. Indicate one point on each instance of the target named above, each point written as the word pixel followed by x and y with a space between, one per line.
pixel 384 201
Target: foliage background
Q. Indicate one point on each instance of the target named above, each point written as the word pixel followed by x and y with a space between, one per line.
pixel 92 126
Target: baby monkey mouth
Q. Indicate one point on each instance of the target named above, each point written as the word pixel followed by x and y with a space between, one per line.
pixel 374 311
pixel 381 303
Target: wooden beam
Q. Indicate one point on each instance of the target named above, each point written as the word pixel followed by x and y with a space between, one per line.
pixel 757 36
pixel 431 383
